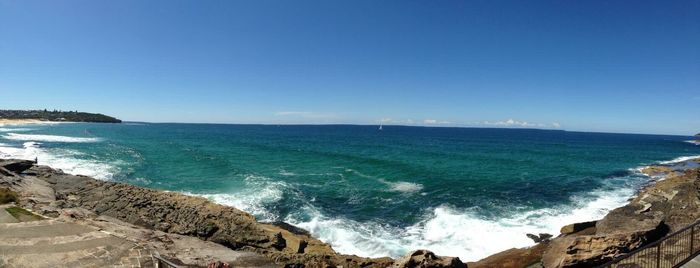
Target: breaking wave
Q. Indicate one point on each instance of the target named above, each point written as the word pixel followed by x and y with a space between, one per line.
pixel 63 159
pixel 47 138
pixel 446 230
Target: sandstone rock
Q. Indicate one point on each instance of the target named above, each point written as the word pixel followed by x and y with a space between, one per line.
pixel 666 206
pixel 82 198
pixel 425 259
pixel 577 227
pixel 656 170
pixel 513 258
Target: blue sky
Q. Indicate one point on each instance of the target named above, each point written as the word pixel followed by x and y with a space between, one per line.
pixel 613 66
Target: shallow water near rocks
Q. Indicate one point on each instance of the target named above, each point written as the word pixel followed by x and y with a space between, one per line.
pixel 457 191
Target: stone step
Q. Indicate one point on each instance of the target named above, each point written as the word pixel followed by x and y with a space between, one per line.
pixel 28 223
pixel 52 240
pixel 51 243
pixel 25 230
pixel 107 242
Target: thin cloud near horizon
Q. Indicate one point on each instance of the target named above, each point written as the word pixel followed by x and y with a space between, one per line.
pixel 509 123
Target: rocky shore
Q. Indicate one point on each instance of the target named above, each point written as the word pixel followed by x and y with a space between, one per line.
pixel 54 194
pixel 670 202
pixel 667 204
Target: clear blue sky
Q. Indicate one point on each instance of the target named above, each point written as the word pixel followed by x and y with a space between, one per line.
pixel 614 66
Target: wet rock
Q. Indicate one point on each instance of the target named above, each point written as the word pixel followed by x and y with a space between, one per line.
pixel 656 170
pixel 424 259
pixel 16 166
pixel 291 228
pixel 543 237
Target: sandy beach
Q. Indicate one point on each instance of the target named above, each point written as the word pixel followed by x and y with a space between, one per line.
pixel 14 122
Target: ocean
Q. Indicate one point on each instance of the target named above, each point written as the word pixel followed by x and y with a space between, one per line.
pixel 467 192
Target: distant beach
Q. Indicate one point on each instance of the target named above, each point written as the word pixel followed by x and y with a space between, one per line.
pixel 15 122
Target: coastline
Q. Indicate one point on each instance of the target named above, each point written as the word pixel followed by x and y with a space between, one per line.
pixel 667 203
pixel 86 188
pixel 53 194
pixel 19 122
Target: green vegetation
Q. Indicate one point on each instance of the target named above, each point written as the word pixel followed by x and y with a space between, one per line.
pixel 22 214
pixel 7 196
pixel 55 115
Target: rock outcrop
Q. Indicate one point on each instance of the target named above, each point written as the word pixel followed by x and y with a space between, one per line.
pixel 577 227
pixel 9 167
pixel 425 259
pixel 667 206
pixel 514 258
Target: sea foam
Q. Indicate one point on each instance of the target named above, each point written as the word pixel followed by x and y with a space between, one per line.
pixel 47 138
pixel 258 192
pixel 4 129
pixel 679 159
pixel 451 231
pixel 405 187
pixel 62 159
pixel 446 230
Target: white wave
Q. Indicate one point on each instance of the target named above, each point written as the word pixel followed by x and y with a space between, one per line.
pixel 32 123
pixel 48 138
pixel 60 159
pixel 444 229
pixel 696 142
pixel 258 192
pixel 4 129
pixel 679 159
pixel 453 232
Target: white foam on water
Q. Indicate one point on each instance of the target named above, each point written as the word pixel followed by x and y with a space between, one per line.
pixel 47 138
pixel 287 173
pixel 405 187
pixel 679 159
pixel 445 230
pixel 398 186
pixel 258 192
pixel 458 232
pixel 62 159
pixel 4 129
pixel 696 142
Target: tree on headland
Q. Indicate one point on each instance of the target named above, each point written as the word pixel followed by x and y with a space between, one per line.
pixel 56 115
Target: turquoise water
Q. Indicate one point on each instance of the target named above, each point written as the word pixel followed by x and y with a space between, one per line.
pixel 465 192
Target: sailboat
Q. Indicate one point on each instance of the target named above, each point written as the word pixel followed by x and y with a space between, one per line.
pixel 380 126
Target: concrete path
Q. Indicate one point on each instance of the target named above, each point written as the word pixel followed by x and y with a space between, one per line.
pixel 694 263
pixel 6 217
pixel 50 243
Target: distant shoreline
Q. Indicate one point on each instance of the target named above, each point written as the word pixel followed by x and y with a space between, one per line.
pixel 55 116
pixel 19 122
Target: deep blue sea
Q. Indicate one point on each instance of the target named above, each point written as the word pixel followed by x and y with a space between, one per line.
pixel 464 192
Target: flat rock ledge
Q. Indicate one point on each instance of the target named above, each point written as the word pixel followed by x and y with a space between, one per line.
pixel 151 213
